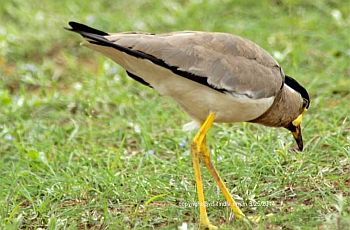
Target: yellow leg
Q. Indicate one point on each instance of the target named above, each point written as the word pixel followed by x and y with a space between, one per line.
pixel 207 161
pixel 195 150
pixel 200 149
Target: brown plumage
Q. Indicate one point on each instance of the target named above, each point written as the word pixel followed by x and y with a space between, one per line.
pixel 214 77
pixel 287 106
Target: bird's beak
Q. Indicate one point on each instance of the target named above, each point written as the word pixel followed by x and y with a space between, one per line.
pixel 298 137
pixel 296 130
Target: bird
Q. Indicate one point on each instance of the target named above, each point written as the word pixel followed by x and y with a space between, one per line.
pixel 214 77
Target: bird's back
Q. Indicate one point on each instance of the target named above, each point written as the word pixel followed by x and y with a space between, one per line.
pixel 202 71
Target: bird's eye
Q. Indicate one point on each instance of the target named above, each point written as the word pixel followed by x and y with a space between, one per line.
pixel 305 103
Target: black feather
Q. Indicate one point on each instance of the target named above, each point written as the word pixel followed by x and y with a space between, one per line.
pixel 291 82
pixel 96 37
pixel 78 27
pixel 138 79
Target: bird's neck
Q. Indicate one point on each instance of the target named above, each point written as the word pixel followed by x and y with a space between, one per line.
pixel 287 106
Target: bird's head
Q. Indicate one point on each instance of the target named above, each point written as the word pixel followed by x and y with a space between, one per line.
pixel 295 128
pixel 295 125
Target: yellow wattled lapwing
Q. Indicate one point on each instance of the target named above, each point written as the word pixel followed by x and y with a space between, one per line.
pixel 215 77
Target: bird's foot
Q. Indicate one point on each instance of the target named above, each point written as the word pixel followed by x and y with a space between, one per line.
pixel 207 226
pixel 254 219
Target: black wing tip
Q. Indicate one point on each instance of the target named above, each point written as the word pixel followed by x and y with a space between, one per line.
pixel 79 28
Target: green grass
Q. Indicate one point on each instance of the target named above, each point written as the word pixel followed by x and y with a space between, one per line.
pixel 82 146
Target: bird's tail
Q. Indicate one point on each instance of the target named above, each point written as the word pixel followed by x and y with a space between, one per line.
pixel 83 29
pixel 98 37
pixel 92 35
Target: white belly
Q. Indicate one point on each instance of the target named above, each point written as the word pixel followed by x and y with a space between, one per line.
pixel 196 99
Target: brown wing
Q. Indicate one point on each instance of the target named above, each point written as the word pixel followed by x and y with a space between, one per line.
pixel 228 62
